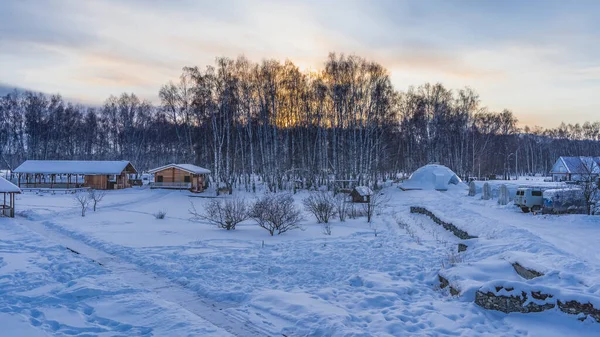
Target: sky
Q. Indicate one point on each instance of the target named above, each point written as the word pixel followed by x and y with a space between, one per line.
pixel 537 58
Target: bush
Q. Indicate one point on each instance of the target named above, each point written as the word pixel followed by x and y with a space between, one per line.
pixel 276 213
pixel 224 214
pixel 160 214
pixel 322 205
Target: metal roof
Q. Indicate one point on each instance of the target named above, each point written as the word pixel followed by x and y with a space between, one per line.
pixel 184 167
pixel 92 167
pixel 8 187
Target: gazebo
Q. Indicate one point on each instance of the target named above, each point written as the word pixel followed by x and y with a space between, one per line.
pixel 101 175
pixel 8 191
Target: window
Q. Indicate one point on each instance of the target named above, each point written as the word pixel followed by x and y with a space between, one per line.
pixel 159 179
pixel 536 193
pixel 187 179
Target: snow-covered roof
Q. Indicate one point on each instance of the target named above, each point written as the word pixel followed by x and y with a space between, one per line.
pixel 363 191
pixel 430 177
pixel 8 187
pixel 184 167
pixel 577 165
pixel 92 167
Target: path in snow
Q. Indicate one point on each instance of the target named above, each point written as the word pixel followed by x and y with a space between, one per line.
pixel 162 287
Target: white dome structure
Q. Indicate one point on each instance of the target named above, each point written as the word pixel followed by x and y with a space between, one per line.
pixel 431 177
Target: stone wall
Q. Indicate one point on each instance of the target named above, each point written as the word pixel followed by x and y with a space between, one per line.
pixel 515 302
pixel 459 233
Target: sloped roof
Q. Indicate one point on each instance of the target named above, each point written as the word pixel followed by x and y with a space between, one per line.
pixel 92 167
pixel 578 165
pixel 8 187
pixel 363 191
pixel 184 167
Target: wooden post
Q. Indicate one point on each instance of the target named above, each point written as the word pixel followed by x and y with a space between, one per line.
pixel 12 205
pixel 19 179
pixel 68 181
pixel 4 205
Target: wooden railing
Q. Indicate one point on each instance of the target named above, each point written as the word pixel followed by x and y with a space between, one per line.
pixel 171 185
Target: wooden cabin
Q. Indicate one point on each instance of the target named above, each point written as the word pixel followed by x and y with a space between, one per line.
pixel 575 168
pixel 180 176
pixel 53 174
pixel 7 193
pixel 361 194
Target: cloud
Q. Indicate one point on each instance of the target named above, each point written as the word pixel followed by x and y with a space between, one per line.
pixel 517 55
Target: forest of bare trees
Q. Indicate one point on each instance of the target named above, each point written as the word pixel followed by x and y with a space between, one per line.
pixel 272 121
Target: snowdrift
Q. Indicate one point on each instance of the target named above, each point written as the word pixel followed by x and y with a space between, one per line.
pixel 432 177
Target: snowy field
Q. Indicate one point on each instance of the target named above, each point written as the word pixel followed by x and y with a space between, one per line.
pixel 128 274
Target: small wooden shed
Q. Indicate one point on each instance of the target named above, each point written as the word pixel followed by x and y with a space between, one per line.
pixel 361 194
pixel 101 175
pixel 180 176
pixel 8 191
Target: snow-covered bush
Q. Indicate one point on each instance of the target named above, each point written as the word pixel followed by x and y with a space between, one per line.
pixel 224 214
pixel 472 189
pixel 276 213
pixel 160 214
pixel 487 192
pixel 503 195
pixel 322 205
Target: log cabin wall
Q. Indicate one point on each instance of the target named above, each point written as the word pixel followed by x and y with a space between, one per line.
pixel 172 175
pixel 175 175
pixel 99 182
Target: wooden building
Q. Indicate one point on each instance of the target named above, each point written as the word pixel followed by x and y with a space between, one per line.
pixel 7 193
pixel 180 176
pixel 361 194
pixel 575 168
pixel 101 175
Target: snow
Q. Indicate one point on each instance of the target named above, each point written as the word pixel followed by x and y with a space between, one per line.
pixel 6 186
pixel 363 191
pixel 177 277
pixel 74 167
pixel 185 167
pixel 431 177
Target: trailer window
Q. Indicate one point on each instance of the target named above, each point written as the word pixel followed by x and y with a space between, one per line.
pixel 536 193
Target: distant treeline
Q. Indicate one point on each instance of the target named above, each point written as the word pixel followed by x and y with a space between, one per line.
pixel 269 119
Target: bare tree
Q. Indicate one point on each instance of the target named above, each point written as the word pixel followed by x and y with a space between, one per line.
pixel 341 206
pixel 95 197
pixel 82 200
pixel 589 182
pixel 376 201
pixel 224 214
pixel 322 205
pixel 276 213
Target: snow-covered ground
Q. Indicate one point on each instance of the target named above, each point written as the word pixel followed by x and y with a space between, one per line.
pixel 137 275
